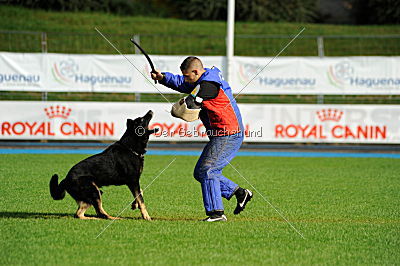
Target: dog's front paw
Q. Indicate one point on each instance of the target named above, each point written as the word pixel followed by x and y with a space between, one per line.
pixel 146 217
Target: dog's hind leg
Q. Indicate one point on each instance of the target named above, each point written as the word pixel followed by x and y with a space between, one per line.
pixel 137 194
pixel 101 213
pixel 80 213
pixel 97 204
pixel 135 204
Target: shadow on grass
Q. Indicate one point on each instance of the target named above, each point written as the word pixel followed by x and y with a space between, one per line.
pixel 43 215
pixel 34 215
pixel 170 219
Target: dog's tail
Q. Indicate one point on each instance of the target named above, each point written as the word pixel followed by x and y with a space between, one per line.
pixel 57 191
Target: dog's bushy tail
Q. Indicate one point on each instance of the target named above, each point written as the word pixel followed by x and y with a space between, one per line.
pixel 57 191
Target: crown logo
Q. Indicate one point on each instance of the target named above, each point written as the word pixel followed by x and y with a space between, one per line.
pixel 57 111
pixel 329 114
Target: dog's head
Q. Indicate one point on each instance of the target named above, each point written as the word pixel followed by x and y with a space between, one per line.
pixel 140 126
pixel 138 132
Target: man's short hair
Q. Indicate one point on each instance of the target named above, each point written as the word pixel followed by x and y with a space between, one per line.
pixel 187 63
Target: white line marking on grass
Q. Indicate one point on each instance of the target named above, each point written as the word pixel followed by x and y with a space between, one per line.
pixel 105 228
pixel 283 217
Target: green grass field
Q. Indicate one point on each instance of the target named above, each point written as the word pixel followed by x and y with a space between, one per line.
pixel 347 210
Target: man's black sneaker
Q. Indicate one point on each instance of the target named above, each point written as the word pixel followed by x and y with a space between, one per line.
pixel 243 196
pixel 216 218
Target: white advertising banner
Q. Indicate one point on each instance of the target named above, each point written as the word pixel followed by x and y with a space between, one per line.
pixel 315 75
pixel 87 73
pixel 263 123
pixel 284 75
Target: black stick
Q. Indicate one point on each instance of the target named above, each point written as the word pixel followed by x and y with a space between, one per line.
pixel 147 57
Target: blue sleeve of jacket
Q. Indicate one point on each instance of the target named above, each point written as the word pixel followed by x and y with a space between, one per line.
pixel 176 82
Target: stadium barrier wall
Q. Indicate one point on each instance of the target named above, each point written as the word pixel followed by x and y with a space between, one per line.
pixel 47 72
pixel 27 120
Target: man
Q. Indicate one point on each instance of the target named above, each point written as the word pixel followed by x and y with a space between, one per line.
pixel 222 120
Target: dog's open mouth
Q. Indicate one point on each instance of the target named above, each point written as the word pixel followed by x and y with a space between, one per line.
pixel 144 125
pixel 146 120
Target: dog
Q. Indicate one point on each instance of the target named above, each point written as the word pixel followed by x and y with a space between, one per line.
pixel 120 164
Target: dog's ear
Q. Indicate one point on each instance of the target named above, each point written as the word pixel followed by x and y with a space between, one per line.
pixel 129 123
pixel 152 131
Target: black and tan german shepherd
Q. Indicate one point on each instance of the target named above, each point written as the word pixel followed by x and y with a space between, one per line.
pixel 120 164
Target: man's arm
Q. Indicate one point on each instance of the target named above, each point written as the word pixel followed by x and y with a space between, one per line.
pixel 208 90
pixel 175 82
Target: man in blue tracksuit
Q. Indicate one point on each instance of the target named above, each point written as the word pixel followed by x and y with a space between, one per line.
pixel 223 122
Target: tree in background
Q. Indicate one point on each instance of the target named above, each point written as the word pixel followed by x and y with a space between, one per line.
pixel 377 11
pixel 364 11
pixel 156 8
pixel 251 10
